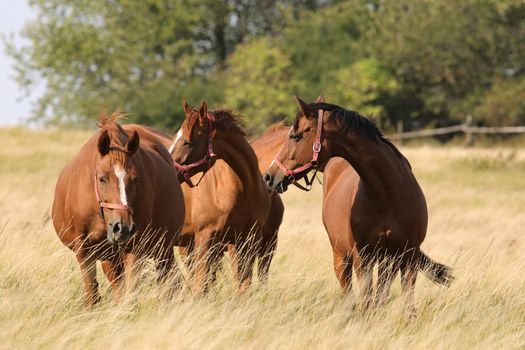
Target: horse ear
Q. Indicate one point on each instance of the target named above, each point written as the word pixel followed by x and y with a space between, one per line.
pixel 320 99
pixel 185 106
pixel 203 112
pixel 303 106
pixel 103 143
pixel 133 143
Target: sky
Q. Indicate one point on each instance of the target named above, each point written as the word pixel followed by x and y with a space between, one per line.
pixel 13 15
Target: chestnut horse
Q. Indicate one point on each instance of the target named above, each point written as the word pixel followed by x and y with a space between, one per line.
pixel 385 214
pixel 230 204
pixel 111 206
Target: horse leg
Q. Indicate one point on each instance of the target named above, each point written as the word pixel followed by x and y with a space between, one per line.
pixel 343 271
pixel 243 259
pixel 364 271
pixel 386 272
pixel 129 260
pixel 202 263
pixel 113 271
pixel 88 268
pixel 268 242
pixel 409 268
pixel 265 255
pixel 214 258
pixel 187 256
pixel 167 268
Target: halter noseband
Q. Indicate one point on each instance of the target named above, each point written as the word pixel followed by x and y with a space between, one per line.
pixel 312 165
pixel 112 206
pixel 207 159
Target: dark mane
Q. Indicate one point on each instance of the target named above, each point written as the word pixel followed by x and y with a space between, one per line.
pixel 224 119
pixel 351 121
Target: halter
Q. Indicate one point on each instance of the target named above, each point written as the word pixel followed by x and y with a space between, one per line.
pixel 112 206
pixel 312 165
pixel 210 155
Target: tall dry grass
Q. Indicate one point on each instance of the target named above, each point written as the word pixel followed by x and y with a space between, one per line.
pixel 476 200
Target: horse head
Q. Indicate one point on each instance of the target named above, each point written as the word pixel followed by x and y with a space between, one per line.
pixel 116 180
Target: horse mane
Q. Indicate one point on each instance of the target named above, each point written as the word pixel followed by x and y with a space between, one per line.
pixel 349 120
pixel 110 124
pixel 225 119
pixel 117 135
pixel 276 127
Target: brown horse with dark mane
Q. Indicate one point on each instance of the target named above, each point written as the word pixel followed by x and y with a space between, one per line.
pixel 230 205
pixel 111 205
pixel 385 214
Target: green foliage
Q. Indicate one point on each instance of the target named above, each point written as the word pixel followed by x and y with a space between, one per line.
pixel 419 61
pixel 259 83
pixel 444 51
pixel 503 104
pixel 321 43
pixel 362 86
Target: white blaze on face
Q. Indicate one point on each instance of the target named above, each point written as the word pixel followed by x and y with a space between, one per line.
pixel 179 135
pixel 121 185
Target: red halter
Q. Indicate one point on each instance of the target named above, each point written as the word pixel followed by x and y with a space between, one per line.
pixel 112 206
pixel 210 155
pixel 316 147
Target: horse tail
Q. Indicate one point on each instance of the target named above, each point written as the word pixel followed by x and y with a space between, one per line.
pixel 436 272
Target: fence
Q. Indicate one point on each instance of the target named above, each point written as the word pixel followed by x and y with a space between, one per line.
pixel 465 128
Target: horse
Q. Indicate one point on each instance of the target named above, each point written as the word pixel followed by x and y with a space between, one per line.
pixel 110 205
pixel 380 216
pixel 230 204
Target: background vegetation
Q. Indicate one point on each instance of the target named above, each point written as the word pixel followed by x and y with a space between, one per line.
pixel 476 199
pixel 426 63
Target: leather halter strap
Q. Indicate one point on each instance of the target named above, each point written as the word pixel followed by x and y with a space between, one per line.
pixel 113 206
pixel 312 165
pixel 207 159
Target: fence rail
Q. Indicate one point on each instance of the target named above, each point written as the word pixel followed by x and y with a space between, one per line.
pixel 465 128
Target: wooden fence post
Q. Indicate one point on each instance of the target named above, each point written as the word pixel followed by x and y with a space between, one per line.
pixel 469 141
pixel 400 132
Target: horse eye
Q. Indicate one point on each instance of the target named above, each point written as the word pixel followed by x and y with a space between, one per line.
pixel 102 179
pixel 187 143
pixel 296 137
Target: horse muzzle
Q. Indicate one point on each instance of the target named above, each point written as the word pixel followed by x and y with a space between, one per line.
pixel 275 184
pixel 119 233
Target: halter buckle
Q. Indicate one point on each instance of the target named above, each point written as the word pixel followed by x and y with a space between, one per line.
pixel 316 147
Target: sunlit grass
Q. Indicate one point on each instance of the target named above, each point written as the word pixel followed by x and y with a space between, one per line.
pixel 476 200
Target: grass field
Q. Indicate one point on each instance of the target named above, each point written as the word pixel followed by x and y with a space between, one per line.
pixel 476 201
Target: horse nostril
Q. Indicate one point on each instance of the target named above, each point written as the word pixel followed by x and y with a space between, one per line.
pixel 117 227
pixel 132 228
pixel 268 179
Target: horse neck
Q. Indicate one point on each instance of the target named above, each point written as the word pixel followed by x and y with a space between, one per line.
pixel 233 148
pixel 267 147
pixel 378 166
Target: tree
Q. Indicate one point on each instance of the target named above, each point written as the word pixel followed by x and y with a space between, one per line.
pixel 322 43
pixel 137 56
pixel 445 54
pixel 259 83
pixel 364 86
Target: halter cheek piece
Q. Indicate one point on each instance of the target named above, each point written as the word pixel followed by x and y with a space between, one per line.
pixel 313 165
pixel 111 206
pixel 210 155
